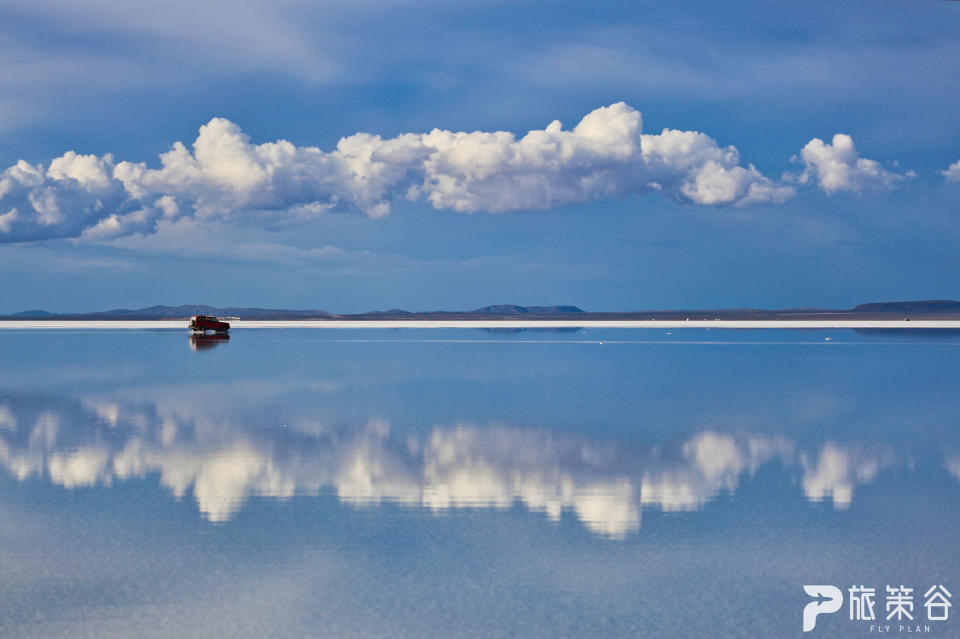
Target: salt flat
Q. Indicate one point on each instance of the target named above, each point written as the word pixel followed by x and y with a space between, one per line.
pixel 341 324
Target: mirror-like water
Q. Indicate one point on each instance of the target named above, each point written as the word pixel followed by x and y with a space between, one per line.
pixel 468 483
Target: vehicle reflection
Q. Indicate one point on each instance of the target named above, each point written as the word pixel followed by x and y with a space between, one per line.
pixel 207 341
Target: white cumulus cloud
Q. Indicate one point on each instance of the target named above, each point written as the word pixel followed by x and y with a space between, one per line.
pixel 837 166
pixel 225 175
pixel 953 172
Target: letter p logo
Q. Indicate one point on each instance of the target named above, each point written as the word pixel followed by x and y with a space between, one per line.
pixel 829 599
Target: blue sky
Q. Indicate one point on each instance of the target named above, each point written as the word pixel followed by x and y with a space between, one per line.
pixel 612 214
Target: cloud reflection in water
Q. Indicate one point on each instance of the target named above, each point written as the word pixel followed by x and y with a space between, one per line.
pixel 606 484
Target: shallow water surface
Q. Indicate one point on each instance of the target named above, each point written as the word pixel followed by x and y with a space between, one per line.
pixel 438 483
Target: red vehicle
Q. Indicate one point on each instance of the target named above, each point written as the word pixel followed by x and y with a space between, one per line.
pixel 204 323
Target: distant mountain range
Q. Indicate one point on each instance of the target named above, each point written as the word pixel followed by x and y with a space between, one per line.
pixel 921 309
pixel 188 310
pixel 177 312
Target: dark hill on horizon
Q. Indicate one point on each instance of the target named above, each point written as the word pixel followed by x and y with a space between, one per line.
pixel 921 306
pixel 512 309
pixel 919 309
